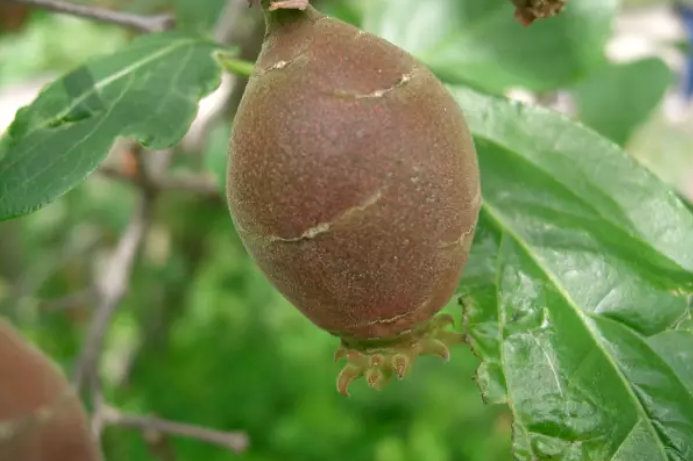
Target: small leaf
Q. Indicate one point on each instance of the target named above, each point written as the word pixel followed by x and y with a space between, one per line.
pixel 619 97
pixel 479 42
pixel 581 258
pixel 148 91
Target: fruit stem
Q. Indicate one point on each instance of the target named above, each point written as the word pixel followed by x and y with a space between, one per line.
pixel 236 66
pixel 272 5
pixel 283 14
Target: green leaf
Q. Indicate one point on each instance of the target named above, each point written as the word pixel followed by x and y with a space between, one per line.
pixel 198 16
pixel 351 13
pixel 688 203
pixel 479 42
pixel 148 91
pixel 216 151
pixel 581 258
pixel 35 50
pixel 616 99
pixel 676 347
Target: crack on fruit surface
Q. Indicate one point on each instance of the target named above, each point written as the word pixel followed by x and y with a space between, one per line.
pixel 475 204
pixel 460 241
pixel 277 65
pixel 394 318
pixel 379 364
pixel 403 80
pixel 384 321
pixel 41 416
pixel 310 234
pixel 282 64
pixel 325 227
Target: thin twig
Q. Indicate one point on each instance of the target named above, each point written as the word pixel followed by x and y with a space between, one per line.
pixel 111 288
pixel 147 24
pixel 200 185
pixel 143 167
pixel 234 441
pixel 225 25
pixel 67 302
pixel 98 421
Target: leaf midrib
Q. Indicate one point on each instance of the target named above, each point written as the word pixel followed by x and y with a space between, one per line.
pixel 105 117
pixel 496 217
pixel 129 70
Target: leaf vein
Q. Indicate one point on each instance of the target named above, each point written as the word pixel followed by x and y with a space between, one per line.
pixel 509 231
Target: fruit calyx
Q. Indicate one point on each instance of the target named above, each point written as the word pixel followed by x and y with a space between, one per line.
pixel 380 360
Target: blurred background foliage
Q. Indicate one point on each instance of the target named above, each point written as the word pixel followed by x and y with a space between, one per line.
pixel 202 337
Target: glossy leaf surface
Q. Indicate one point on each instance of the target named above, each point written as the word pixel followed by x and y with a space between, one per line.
pixel 581 256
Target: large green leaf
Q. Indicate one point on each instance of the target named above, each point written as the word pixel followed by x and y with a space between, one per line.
pixel 676 347
pixel 581 256
pixel 617 98
pixel 147 91
pixel 479 42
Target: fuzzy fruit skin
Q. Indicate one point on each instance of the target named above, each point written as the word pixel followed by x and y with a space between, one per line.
pixel 352 178
pixel 40 418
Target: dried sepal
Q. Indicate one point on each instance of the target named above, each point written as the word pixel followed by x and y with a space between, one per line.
pixel 527 11
pixel 347 376
pixel 380 363
pixel 401 364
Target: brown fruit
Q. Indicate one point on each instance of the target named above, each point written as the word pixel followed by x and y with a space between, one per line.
pixel 41 419
pixel 353 183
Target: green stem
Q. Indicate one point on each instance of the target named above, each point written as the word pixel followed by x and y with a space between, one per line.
pixel 236 66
